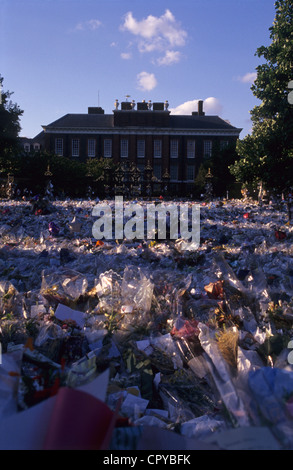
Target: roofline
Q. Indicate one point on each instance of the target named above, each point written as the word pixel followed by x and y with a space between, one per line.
pixel 135 130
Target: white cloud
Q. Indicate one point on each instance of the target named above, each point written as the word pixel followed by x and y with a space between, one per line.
pixel 170 57
pixel 94 24
pixel 248 77
pixel 156 34
pixel 211 106
pixel 126 55
pixel 91 24
pixel 146 81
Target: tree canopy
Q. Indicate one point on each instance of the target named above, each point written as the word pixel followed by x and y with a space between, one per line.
pixel 267 154
pixel 9 121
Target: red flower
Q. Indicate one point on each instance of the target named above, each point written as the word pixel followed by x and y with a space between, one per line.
pixel 280 235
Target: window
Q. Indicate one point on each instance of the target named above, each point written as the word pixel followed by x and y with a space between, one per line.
pixel 190 149
pixel 224 144
pixel 124 148
pixel 108 148
pixel 173 148
pixel 91 147
pixel 27 148
pixel 75 147
pixel 140 148
pixel 190 173
pixel 36 147
pixel 157 148
pixel 207 148
pixel 173 172
pixel 59 147
pixel 158 171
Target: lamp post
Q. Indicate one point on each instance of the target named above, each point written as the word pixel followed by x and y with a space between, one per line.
pixel 209 186
pixel 126 179
pixel 166 181
pixel 107 179
pixel 89 179
pixel 49 186
pixel 134 174
pixel 10 186
pixel 148 171
pixel 118 179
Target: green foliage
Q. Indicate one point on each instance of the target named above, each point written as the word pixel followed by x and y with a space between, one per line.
pixel 248 169
pixel 200 180
pixel 95 167
pixel 266 154
pixel 219 164
pixel 221 160
pixel 68 176
pixel 9 122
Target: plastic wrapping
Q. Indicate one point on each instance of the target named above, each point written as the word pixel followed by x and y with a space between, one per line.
pixel 10 299
pixel 223 379
pixel 272 388
pixel 181 333
pixel 64 286
pixel 49 340
pixel 82 371
pixel 10 369
pixel 136 289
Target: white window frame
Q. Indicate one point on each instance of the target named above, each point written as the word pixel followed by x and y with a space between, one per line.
pixel 174 148
pixel 59 146
pixel 140 148
pixel 190 148
pixel 124 148
pixel 107 148
pixel 75 144
pixel 157 148
pixel 207 148
pixel 91 148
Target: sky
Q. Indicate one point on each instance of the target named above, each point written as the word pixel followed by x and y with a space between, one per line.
pixel 63 56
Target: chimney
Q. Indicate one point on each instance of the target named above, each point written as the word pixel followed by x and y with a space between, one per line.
pixel 126 106
pixel 158 106
pixel 200 108
pixel 95 110
pixel 143 106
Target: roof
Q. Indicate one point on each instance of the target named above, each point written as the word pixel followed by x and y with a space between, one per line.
pixel 37 139
pixel 199 122
pixel 82 120
pixel 107 121
pixel 31 140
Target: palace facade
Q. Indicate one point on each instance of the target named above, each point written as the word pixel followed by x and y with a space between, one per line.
pixel 143 134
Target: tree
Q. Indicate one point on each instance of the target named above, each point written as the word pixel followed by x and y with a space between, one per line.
pixel 267 154
pixel 219 163
pixel 9 122
pixel 200 180
pixel 221 160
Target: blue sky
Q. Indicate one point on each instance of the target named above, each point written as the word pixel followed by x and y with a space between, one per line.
pixel 63 56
